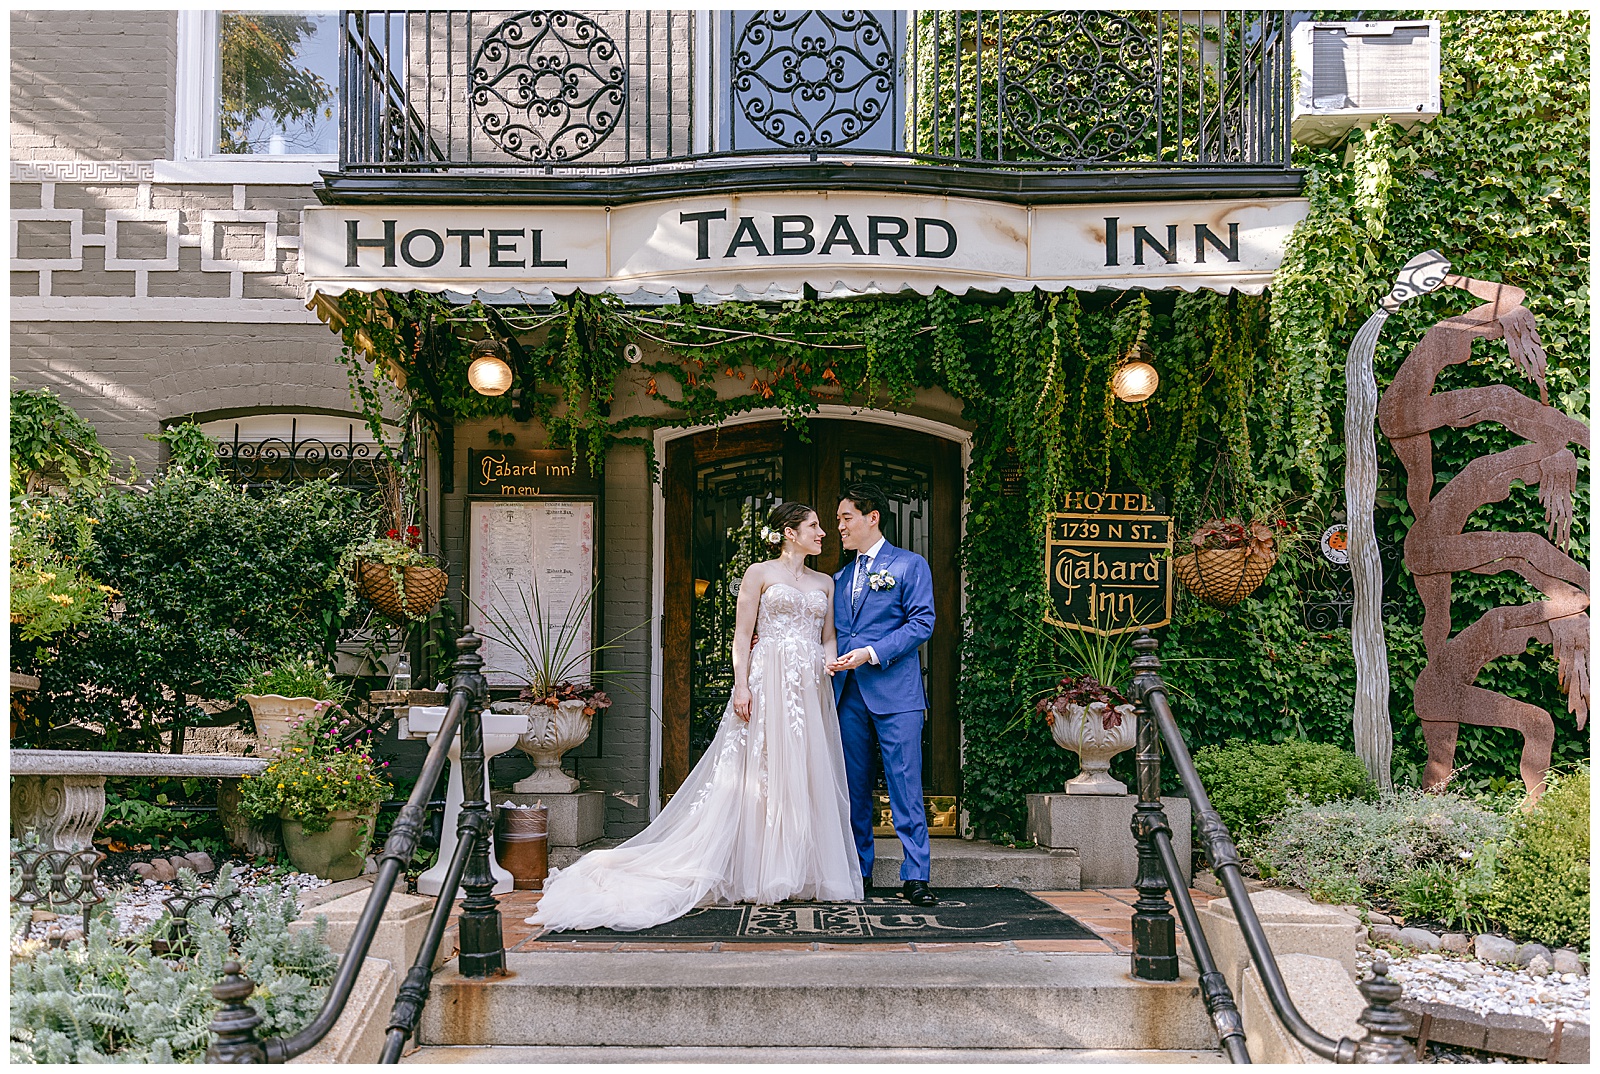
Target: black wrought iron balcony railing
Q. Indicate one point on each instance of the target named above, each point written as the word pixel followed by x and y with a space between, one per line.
pixel 566 97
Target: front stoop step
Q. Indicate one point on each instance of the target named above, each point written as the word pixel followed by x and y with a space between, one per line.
pixel 527 1054
pixel 946 999
pixel 961 863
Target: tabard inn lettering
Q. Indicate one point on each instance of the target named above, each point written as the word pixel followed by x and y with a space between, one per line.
pixel 528 475
pixel 1108 563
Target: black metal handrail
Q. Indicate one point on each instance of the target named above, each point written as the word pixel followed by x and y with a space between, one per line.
pixel 1155 955
pixel 482 950
pixel 574 92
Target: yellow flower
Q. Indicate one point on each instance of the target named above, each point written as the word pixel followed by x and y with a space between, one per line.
pixel 47 576
pixel 297 749
pixel 107 589
pixel 44 514
pixel 93 521
pixel 280 786
pixel 61 599
pixel 347 783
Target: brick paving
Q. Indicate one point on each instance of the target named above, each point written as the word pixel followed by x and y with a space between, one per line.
pixel 1107 912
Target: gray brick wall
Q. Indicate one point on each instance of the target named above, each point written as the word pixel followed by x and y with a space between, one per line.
pixel 93 85
pixel 125 379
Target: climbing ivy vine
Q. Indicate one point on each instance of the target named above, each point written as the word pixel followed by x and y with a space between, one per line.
pixel 1249 402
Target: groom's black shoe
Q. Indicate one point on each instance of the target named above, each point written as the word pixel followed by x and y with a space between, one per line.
pixel 917 893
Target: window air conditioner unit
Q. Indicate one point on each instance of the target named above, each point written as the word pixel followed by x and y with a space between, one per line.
pixel 1353 74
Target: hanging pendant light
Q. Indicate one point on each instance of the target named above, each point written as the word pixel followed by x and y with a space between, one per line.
pixel 489 373
pixel 1135 379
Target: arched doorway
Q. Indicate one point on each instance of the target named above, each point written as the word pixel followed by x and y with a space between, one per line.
pixel 719 485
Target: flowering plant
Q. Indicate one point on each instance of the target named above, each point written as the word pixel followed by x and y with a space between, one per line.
pixel 412 536
pixel 881 580
pixel 1083 691
pixel 594 699
pixel 392 551
pixel 292 676
pixel 314 775
pixel 50 593
pixel 1256 538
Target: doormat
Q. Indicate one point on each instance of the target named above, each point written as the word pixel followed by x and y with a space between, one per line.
pixel 962 915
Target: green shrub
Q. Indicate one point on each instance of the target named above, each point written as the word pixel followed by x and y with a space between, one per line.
pixel 52 446
pixel 1249 783
pixel 211 577
pixel 1541 889
pixel 1452 894
pixel 1374 846
pixel 109 999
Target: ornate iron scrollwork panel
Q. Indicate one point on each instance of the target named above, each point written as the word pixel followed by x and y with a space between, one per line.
pixel 812 79
pixel 1078 85
pixel 548 85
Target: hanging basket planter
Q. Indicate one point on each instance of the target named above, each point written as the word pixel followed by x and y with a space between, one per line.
pixel 401 594
pixel 1222 577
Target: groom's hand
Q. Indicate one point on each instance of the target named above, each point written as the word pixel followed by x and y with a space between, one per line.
pixel 849 661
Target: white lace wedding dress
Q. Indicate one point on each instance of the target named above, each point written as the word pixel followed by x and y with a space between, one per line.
pixel 764 816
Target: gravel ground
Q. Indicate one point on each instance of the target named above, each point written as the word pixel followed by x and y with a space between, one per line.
pixel 140 903
pixel 1484 988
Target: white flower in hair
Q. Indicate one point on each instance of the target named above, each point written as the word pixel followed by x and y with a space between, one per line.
pixel 771 536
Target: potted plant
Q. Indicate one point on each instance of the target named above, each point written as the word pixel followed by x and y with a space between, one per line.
pixel 1085 712
pixel 1230 560
pixel 562 684
pixel 283 693
pixel 325 794
pixel 400 580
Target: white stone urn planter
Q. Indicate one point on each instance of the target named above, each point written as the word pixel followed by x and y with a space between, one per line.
pixel 276 715
pixel 1082 730
pixel 551 732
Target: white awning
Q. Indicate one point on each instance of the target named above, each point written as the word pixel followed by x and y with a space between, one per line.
pixel 784 242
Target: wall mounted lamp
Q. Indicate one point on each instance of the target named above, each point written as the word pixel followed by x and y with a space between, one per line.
pixel 1135 379
pixel 489 373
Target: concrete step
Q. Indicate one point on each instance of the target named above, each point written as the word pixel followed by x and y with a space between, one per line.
pixel 533 1054
pixel 991 998
pixel 961 863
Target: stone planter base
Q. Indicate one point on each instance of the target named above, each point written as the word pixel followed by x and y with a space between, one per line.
pixel 1097 826
pixel 575 819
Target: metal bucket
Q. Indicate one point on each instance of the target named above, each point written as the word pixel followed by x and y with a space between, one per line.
pixel 522 844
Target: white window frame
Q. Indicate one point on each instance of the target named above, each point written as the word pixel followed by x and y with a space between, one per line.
pixel 194 159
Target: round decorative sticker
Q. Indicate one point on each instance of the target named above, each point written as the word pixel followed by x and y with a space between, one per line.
pixel 1336 544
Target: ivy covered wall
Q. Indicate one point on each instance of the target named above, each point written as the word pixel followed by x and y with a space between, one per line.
pixel 1245 421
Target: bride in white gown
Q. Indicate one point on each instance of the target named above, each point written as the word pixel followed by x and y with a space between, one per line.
pixel 765 815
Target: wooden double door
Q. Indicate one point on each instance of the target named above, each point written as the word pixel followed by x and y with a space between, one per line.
pixel 719 487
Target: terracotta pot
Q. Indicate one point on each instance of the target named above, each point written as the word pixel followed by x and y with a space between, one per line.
pixel 340 853
pixel 1082 730
pixel 276 715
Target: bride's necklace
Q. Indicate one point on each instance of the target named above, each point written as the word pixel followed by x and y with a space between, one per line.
pixel 793 573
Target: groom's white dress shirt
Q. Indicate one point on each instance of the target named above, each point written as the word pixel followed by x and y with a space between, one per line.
pixel 864 568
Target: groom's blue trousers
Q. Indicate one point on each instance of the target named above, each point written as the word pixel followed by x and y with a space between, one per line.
pixel 899 736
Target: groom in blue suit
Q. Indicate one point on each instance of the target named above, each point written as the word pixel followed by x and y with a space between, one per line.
pixel 882 613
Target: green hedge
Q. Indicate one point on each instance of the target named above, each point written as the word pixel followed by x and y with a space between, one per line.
pixel 1250 783
pixel 1541 887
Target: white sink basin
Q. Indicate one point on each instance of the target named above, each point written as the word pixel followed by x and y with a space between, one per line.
pixel 426 719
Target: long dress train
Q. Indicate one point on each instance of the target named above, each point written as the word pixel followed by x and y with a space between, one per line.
pixel 764 816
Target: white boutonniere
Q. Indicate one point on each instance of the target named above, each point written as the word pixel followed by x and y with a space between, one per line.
pixel 881 580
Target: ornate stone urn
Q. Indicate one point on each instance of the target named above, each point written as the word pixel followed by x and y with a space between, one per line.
pixel 551 732
pixel 1082 730
pixel 276 715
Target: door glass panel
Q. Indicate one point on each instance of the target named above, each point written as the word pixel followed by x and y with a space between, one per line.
pixel 732 499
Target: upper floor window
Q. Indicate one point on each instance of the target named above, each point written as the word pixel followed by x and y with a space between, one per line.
pixel 277 73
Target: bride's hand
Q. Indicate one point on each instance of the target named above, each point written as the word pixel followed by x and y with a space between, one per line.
pixel 741 702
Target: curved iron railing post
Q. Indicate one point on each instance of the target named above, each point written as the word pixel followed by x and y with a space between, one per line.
pixel 233 1028
pixel 1382 1042
pixel 1155 940
pixel 481 944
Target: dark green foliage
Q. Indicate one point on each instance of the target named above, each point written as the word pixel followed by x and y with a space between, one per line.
pixel 1250 783
pixel 52 445
pixel 1541 889
pixel 211 578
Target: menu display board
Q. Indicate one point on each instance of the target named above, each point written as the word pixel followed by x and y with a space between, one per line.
pixel 520 547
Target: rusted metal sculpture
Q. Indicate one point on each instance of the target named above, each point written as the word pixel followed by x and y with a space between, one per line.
pixel 1435 548
pixel 1373 733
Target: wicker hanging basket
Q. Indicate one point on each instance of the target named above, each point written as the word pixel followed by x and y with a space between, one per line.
pixel 423 587
pixel 1222 577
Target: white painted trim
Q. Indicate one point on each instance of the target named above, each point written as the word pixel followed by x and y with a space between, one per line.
pixel 658 513
pixel 256 171
pixel 703 89
pixel 73 262
pixel 170 218
pixel 129 310
pixel 211 218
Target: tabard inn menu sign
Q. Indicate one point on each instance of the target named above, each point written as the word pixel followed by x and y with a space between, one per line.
pixel 1108 561
pixel 529 475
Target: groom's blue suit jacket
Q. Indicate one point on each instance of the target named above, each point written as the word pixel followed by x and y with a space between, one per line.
pixel 894 621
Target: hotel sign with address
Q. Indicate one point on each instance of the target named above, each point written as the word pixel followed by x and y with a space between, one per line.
pixel 759 241
pixel 1108 563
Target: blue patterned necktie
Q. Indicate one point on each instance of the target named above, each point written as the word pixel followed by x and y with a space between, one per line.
pixel 863 566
